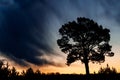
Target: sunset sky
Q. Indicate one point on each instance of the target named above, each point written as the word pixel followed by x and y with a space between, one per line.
pixel 29 30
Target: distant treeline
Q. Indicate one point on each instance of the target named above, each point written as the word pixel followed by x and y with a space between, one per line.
pixel 7 73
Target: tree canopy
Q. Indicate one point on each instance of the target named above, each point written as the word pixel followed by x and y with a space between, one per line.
pixel 85 40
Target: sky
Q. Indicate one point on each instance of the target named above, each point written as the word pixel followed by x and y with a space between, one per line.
pixel 29 30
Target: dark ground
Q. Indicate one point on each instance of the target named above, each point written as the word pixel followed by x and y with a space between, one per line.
pixel 65 77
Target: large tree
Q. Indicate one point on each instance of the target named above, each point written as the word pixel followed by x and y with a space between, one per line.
pixel 86 41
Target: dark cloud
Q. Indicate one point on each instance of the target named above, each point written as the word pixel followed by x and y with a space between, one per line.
pixel 111 9
pixel 21 29
pixel 28 27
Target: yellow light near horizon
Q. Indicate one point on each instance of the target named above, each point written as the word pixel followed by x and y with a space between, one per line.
pixel 78 69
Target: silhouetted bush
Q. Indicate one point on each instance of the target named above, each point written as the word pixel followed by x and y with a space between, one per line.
pixel 107 70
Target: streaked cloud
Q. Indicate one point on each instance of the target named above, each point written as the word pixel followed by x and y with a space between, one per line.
pixel 29 28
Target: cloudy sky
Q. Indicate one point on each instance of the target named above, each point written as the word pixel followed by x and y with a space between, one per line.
pixel 29 30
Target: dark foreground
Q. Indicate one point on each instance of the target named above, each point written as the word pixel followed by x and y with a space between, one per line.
pixel 7 73
pixel 64 77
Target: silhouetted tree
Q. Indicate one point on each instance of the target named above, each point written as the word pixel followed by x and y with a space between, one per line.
pixel 4 70
pixel 29 74
pixel 84 40
pixel 107 70
pixel 37 72
pixel 14 73
pixel 1 64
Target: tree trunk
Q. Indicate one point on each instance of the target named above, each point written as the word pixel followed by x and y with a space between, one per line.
pixel 87 67
pixel 86 61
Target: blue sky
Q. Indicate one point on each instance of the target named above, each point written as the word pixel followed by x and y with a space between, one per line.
pixel 29 28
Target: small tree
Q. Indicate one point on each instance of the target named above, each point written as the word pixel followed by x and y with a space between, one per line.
pixel 84 40
pixel 30 74
pixel 14 72
pixel 4 70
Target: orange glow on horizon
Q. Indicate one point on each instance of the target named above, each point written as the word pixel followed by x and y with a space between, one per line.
pixel 76 67
pixel 79 68
pixel 73 68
